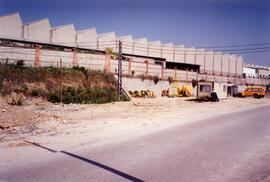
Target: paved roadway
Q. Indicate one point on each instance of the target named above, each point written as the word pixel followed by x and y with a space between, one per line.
pixel 229 148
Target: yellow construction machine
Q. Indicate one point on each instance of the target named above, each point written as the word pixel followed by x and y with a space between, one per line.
pixel 142 93
pixel 175 90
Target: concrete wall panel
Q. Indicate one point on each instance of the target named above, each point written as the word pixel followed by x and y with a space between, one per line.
pixel 13 54
pixel 209 62
pixel 232 65
pixel 239 65
pixel 87 38
pixel 52 58
pixel 11 26
pixel 200 59
pixel 154 49
pixel 140 46
pixel 64 35
pixel 168 51
pixel 225 64
pixel 179 54
pixel 217 62
pixel 107 40
pixel 37 31
pixel 127 43
pixel 190 55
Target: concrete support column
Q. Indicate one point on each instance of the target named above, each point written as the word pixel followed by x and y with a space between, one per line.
pixel 74 58
pixel 186 75
pixel 162 71
pixel 175 73
pixel 107 65
pixel 37 56
pixel 147 67
pixel 129 66
pixel 204 63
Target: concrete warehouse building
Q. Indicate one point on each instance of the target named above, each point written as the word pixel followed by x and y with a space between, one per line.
pixel 41 45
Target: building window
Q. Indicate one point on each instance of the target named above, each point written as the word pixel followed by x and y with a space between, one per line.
pixel 205 88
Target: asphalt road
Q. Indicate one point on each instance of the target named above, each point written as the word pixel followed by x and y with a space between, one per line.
pixel 229 148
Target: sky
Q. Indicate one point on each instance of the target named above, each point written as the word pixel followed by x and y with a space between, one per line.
pixel 193 23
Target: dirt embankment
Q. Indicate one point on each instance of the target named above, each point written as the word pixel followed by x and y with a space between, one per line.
pixel 25 92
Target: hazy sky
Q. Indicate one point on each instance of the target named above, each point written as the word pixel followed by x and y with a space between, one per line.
pixel 195 23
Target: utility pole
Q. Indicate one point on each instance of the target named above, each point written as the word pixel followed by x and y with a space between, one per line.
pixel 61 82
pixel 120 71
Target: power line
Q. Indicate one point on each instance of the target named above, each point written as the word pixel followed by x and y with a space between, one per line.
pixel 201 47
pixel 240 45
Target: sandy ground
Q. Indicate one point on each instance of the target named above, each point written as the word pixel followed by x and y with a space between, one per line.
pixel 70 126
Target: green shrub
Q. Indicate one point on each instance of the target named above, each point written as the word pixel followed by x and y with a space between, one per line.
pixel 20 63
pixel 51 69
pixel 80 68
pixel 17 100
pixel 24 88
pixel 67 98
pixel 34 93
pixel 97 87
pixel 54 97
pixel 108 50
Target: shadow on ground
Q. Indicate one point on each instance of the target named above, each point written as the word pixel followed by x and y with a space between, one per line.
pixel 97 164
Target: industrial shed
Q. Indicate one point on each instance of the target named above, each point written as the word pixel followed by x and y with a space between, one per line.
pixel 11 26
pixel 37 31
pixel 64 35
pixel 87 38
pixel 215 66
